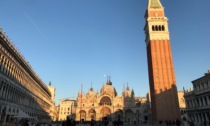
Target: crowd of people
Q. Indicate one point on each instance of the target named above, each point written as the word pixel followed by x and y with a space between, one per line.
pixel 72 122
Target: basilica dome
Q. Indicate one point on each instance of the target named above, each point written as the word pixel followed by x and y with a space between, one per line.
pixel 91 93
pixel 128 92
pixel 108 88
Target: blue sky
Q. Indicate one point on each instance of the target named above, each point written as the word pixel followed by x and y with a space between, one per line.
pixel 74 42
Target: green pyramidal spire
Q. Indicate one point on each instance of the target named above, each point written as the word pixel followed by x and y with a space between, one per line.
pixel 154 4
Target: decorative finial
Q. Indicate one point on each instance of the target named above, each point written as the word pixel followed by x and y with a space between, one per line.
pixel 91 88
pixel 127 88
pixel 108 80
pixel 50 83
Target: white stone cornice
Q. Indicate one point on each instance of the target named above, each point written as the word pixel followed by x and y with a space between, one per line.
pixel 157 37
pixel 157 19
pixel 160 36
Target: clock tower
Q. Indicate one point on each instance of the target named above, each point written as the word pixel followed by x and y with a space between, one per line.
pixel 164 98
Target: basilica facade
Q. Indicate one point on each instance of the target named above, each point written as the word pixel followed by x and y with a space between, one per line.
pixel 107 105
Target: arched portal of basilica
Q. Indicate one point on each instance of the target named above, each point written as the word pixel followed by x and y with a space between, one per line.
pixel 105 112
pixel 92 114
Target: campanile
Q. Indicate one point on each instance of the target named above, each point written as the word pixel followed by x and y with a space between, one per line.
pixel 164 98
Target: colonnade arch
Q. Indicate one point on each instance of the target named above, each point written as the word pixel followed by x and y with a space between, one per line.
pixel 198 101
pixel 199 117
pixel 14 94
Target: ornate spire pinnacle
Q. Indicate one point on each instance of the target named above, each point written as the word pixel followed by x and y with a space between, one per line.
pixel 50 83
pixel 91 88
pixel 108 82
pixel 127 88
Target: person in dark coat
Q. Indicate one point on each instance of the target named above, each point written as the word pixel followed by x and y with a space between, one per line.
pixel 63 123
pixel 92 122
pixel 68 122
pixel 192 123
pixel 73 123
pixel 26 123
pixel 177 122
pixel 115 123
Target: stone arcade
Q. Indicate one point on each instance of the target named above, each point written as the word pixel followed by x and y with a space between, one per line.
pixel 21 89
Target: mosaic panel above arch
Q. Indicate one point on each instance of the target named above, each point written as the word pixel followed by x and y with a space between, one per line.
pixel 105 111
pixel 105 100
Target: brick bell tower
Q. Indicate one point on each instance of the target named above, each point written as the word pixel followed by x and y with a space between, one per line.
pixel 164 98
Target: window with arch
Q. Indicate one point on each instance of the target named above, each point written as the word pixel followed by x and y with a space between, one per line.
pixel 156 28
pixel 198 87
pixel 163 28
pixel 182 100
pixel 153 28
pixel 197 102
pixel 205 101
pixel 201 101
pixel 105 101
pixel 194 86
pixel 159 28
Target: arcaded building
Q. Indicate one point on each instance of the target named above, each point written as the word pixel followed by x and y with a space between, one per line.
pixel 21 89
pixel 198 100
pixel 108 105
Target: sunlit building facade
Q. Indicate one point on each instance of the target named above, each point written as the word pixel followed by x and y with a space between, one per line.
pixel 66 109
pixel 182 104
pixel 53 108
pixel 21 89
